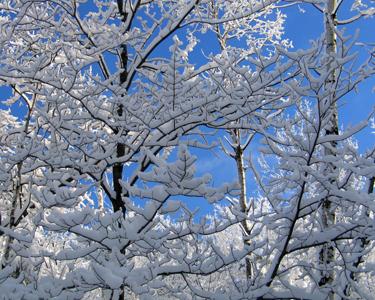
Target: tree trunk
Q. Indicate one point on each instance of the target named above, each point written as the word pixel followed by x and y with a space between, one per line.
pixel 327 252
pixel 17 197
pixel 363 242
pixel 243 200
pixel 118 168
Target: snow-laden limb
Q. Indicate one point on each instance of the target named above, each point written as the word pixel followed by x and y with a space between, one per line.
pixel 96 175
pixel 286 231
pixel 136 251
pixel 298 189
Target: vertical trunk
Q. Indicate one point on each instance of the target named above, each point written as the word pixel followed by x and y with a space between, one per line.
pixel 16 201
pixel 243 201
pixel 8 239
pixel 327 252
pixel 361 244
pixel 120 148
pixel 118 168
pixel 117 202
pixel 238 157
pixel 17 197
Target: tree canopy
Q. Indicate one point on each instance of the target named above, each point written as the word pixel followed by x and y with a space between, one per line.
pixel 185 150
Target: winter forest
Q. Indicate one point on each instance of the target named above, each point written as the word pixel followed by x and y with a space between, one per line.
pixel 187 149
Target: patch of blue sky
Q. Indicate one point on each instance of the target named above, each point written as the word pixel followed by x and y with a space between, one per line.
pixel 18 108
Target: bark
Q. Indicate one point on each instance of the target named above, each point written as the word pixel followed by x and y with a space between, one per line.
pixel 241 172
pixel 118 168
pixel 9 240
pixel 363 243
pixel 17 197
pixel 238 157
pixel 327 252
